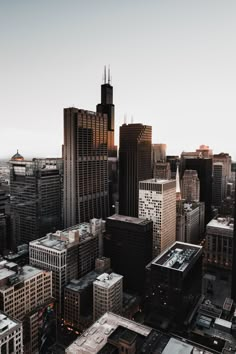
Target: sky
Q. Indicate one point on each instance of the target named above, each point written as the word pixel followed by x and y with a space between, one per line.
pixel 172 65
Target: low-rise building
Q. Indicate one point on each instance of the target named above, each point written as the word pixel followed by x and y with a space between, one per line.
pixel 11 335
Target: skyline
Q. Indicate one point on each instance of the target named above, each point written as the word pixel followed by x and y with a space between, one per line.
pixel 172 65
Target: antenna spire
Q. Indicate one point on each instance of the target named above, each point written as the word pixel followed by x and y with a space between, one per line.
pixel 109 75
pixel 105 74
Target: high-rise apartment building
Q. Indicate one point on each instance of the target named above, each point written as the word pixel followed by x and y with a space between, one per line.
pixel 190 186
pixel 85 166
pixel 203 166
pixel 174 282
pixel 11 336
pixel 157 202
pixel 25 291
pixel 135 164
pixel 69 254
pixel 218 184
pixel 36 197
pixel 128 242
pixel 107 294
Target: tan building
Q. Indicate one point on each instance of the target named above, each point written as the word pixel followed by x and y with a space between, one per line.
pixel 107 294
pixel 157 202
pixel 11 335
pixel 24 290
pixel 162 170
pixel 158 152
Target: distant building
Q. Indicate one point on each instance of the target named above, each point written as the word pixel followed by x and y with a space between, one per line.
pixel 225 160
pixel 107 294
pixel 23 293
pixel 157 202
pixel 36 197
pixel 219 243
pixel 171 291
pixel 190 186
pixel 173 161
pixel 69 254
pixel 190 222
pixel 128 242
pixel 218 184
pixel 158 153
pixel 134 164
pixel 162 170
pixel 11 336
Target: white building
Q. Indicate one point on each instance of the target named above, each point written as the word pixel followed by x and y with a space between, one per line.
pixel 69 254
pixel 107 294
pixel 11 337
pixel 157 202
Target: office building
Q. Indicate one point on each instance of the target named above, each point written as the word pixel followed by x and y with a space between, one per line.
pixel 157 202
pixel 173 161
pixel 107 294
pixel 226 161
pixel 128 242
pixel 203 166
pixel 134 164
pixel 171 291
pixel 85 166
pixel 219 243
pixel 190 186
pixel 36 197
pixel 233 283
pixel 25 291
pixel 11 336
pixel 69 254
pixel 158 153
pixel 218 184
pixel 190 222
pixel 161 170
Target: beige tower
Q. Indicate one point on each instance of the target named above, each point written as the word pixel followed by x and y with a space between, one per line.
pixel 157 202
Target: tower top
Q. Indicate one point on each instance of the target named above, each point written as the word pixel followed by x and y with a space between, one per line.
pixel 107 75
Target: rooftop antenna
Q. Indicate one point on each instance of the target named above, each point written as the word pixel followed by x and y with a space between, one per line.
pixel 105 74
pixel 125 119
pixel 109 75
pixel 132 120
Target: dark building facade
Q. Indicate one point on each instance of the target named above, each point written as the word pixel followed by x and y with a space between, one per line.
pixel 203 166
pixel 171 291
pixel 107 107
pixel 233 282
pixel 128 242
pixel 85 166
pixel 134 164
pixel 36 197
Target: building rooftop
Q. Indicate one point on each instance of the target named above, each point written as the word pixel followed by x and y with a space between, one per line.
pixel 222 223
pixel 60 240
pixel 158 181
pixel 178 257
pixel 129 219
pixel 95 337
pixel 6 324
pixel 106 280
pixel 79 285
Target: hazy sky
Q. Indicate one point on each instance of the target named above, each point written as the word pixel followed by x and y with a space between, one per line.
pixel 173 65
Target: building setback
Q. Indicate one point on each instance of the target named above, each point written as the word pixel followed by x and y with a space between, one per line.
pixel 128 242
pixel 157 202
pixel 134 164
pixel 36 197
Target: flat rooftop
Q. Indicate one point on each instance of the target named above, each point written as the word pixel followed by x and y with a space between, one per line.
pixel 95 337
pixel 79 285
pixel 6 324
pixel 61 239
pixel 178 257
pixel 222 223
pixel 158 181
pixel 175 346
pixel 26 272
pixel 106 280
pixel 129 219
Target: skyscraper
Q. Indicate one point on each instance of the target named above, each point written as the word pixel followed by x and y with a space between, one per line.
pixel 190 186
pixel 157 202
pixel 135 164
pixel 85 166
pixel 36 197
pixel 219 184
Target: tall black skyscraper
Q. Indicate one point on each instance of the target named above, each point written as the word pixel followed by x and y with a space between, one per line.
pixel 36 197
pixel 203 166
pixel 134 164
pixel 107 107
